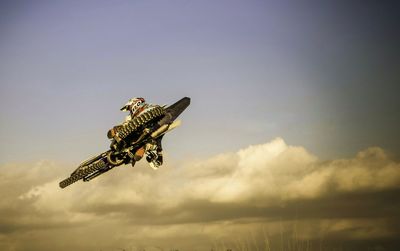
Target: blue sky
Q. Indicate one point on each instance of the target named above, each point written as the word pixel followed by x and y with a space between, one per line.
pixel 323 75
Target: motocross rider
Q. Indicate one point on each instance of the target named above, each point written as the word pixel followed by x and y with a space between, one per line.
pixel 153 149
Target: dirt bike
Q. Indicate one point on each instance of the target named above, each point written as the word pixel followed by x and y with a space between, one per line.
pixel 149 126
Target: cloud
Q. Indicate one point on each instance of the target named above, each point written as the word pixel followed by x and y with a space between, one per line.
pixel 264 186
pixel 277 172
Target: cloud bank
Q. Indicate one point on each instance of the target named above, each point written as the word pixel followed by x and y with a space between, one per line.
pixel 262 191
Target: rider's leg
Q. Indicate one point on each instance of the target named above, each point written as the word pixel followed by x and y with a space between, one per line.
pixel 154 153
pixel 159 151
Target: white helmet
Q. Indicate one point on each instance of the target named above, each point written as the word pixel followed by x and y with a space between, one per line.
pixel 133 105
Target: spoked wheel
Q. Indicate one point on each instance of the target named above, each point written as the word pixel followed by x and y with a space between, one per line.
pixel 121 132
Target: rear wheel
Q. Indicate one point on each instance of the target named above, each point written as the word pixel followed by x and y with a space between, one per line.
pixel 137 123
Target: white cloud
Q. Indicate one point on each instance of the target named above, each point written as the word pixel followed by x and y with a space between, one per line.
pixel 255 184
pixel 266 173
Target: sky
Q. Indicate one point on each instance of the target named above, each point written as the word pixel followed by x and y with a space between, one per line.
pixel 292 129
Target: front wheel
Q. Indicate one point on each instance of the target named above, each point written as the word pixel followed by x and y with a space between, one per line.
pixel 84 171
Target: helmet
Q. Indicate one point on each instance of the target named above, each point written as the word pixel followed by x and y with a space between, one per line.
pixel 133 105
